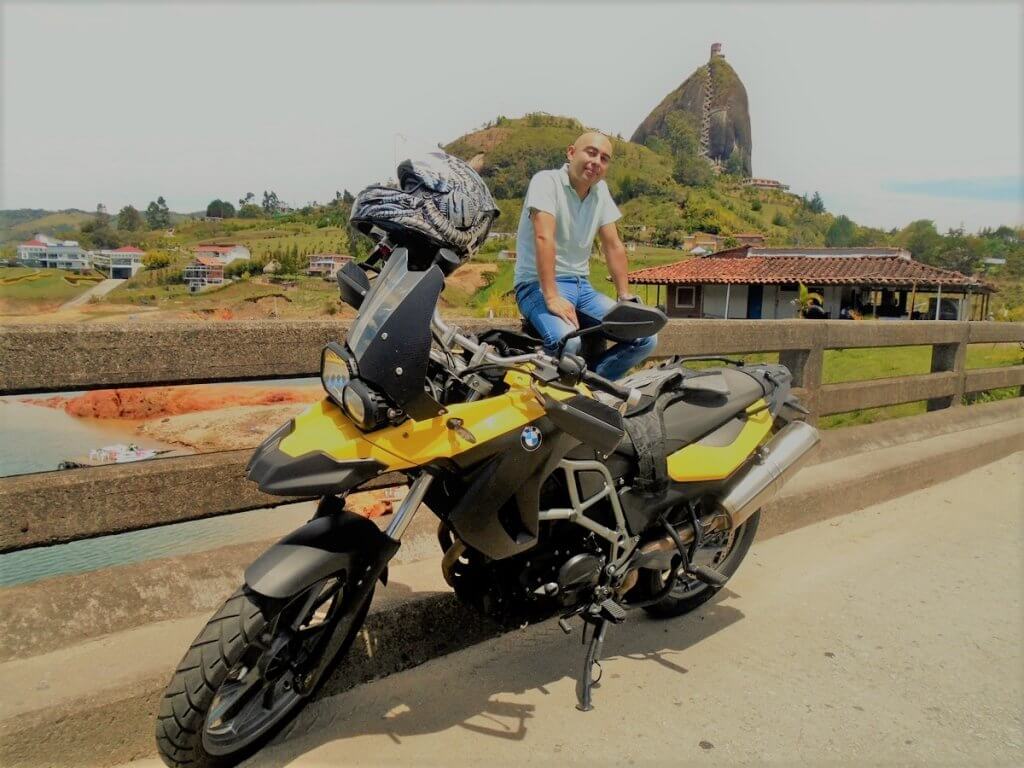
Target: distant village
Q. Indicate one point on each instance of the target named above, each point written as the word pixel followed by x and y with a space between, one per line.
pixel 205 271
pixel 740 279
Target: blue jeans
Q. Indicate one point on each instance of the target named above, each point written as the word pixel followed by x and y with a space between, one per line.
pixel 591 307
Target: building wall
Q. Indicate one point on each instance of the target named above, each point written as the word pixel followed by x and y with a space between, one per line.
pixel 714 301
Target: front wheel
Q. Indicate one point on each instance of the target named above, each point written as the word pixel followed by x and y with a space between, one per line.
pixel 724 552
pixel 250 670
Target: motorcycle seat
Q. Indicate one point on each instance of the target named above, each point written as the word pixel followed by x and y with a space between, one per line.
pixel 689 415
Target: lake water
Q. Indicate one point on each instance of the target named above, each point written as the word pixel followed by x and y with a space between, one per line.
pixel 136 546
pixel 36 439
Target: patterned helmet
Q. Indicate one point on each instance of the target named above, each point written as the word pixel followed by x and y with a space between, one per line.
pixel 439 198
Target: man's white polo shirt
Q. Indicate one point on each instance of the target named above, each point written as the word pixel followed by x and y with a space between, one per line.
pixel 576 223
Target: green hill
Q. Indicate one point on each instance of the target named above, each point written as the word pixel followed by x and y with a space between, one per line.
pixel 19 225
pixel 655 207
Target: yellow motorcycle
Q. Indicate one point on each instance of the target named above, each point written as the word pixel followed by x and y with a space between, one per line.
pixel 558 493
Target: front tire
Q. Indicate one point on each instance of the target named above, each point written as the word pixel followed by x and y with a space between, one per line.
pixel 248 660
pixel 690 594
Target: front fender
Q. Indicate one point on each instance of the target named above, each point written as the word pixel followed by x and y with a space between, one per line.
pixel 337 540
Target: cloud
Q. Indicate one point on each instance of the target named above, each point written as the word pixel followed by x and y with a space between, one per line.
pixel 994 188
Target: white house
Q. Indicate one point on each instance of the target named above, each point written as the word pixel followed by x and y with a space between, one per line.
pixel 326 265
pixel 223 253
pixel 120 262
pixel 46 253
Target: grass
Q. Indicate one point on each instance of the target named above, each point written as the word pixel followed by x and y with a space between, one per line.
pixel 847 365
pixel 23 285
pixel 309 296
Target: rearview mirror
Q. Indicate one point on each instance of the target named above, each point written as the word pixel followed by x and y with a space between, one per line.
pixel 353 284
pixel 628 321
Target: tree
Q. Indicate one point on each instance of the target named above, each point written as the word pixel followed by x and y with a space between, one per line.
pixel 683 139
pixel 156 260
pixel 250 211
pixel 221 209
pixel 244 201
pixel 734 165
pixel 841 233
pixel 922 240
pixel 271 203
pixel 102 217
pixel 129 219
pixel 816 205
pixel 158 216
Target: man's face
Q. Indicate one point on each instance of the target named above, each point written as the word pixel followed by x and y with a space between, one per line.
pixel 589 158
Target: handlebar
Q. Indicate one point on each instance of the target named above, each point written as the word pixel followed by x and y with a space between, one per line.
pixel 449 335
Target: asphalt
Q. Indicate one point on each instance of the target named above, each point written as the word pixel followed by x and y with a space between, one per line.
pixel 891 635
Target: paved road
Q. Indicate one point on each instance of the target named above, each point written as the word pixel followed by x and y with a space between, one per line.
pixel 101 288
pixel 891 635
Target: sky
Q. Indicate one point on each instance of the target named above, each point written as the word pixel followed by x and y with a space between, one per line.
pixel 892 111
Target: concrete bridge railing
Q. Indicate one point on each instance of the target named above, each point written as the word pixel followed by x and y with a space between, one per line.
pixel 49 508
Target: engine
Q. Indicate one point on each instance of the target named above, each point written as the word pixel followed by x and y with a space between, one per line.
pixel 558 573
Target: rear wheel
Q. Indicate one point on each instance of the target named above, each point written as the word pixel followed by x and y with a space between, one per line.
pixel 724 552
pixel 249 672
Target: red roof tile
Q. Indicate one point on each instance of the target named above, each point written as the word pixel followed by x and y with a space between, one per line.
pixel 129 249
pixel 810 270
pixel 35 242
pixel 207 261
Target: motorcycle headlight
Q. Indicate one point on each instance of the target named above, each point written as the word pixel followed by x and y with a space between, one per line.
pixel 367 409
pixel 335 371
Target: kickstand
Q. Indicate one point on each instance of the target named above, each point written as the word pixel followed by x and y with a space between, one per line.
pixel 586 679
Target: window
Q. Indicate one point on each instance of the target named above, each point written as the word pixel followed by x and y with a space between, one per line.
pixel 686 296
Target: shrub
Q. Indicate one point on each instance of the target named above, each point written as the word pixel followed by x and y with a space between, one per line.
pixel 779 220
pixel 756 205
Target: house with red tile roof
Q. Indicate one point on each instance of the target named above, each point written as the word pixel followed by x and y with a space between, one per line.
pixel 225 252
pixel 763 283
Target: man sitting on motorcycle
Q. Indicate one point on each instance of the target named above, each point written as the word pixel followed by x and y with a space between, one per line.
pixel 564 209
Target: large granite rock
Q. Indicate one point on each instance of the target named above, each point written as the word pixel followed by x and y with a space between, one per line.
pixel 730 116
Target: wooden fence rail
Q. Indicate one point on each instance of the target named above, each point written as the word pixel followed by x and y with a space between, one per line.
pixel 54 507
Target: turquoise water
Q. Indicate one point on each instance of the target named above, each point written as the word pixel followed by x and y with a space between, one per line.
pixel 136 546
pixel 36 439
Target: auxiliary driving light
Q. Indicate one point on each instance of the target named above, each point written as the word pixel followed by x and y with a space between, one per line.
pixel 335 371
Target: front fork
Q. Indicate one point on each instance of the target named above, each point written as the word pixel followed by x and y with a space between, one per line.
pixel 407 509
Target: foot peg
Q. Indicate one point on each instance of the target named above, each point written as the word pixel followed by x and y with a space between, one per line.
pixel 612 611
pixel 708 575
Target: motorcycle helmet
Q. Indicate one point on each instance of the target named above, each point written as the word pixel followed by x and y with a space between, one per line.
pixel 439 198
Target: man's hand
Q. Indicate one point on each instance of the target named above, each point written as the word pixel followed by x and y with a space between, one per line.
pixel 559 306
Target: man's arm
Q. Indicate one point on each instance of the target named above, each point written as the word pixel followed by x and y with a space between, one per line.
pixel 615 255
pixel 544 244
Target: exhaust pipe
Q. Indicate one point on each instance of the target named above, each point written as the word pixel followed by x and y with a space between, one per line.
pixel 759 483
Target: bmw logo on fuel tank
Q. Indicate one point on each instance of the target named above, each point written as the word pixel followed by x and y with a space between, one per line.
pixel 531 438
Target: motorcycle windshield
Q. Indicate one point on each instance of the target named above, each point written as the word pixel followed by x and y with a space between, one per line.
pixel 390 337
